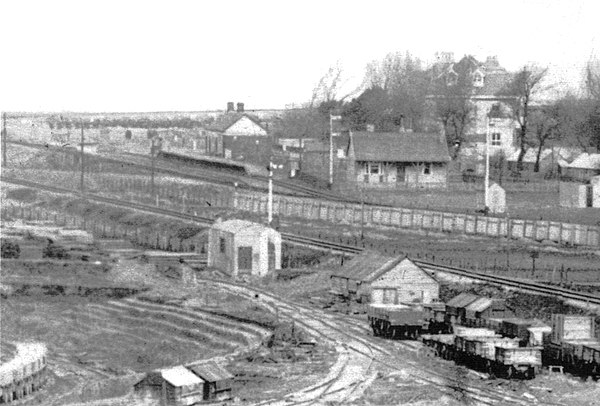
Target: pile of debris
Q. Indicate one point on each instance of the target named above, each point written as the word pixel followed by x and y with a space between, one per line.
pixel 288 343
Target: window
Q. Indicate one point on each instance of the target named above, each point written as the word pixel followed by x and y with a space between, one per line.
pixel 478 80
pixel 374 168
pixel 496 139
pixel 427 169
pixel 222 245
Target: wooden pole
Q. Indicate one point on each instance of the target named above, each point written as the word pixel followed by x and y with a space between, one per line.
pixel 81 181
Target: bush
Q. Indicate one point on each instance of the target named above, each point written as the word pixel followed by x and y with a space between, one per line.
pixel 10 249
pixel 55 251
pixel 128 134
pixel 22 194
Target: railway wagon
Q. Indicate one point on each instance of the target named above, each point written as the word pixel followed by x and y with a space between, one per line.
pixel 573 345
pixel 436 315
pixel 397 321
pixel 518 361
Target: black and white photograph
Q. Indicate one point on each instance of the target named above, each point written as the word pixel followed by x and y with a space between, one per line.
pixel 300 203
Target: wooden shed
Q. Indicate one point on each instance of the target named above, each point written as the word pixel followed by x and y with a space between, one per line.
pixel 476 312
pixel 455 307
pixel 380 279
pixel 217 381
pixel 173 386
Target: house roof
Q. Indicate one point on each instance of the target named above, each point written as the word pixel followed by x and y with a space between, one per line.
pixel 224 121
pixel 493 83
pixel 495 78
pixel 367 265
pixel 180 376
pixel 461 300
pixel 586 161
pixel 211 372
pixel 399 147
pixel 237 226
pixel 370 265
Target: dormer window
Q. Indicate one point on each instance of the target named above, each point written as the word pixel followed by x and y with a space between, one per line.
pixel 478 79
pixel 451 79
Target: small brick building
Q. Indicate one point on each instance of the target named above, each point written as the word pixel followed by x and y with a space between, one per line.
pixel 241 247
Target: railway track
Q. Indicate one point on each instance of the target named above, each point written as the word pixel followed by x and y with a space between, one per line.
pixel 141 162
pixel 364 351
pixel 336 248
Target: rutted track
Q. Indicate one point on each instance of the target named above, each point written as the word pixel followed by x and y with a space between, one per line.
pixel 359 353
pixel 343 249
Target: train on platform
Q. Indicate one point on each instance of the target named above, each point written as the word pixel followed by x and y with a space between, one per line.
pixel 481 333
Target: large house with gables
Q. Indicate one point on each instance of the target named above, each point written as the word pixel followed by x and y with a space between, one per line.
pixel 377 159
pixel 487 103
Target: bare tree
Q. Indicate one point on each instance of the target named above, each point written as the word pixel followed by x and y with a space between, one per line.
pixel 592 86
pixel 405 86
pixel 519 93
pixel 592 79
pixel 544 125
pixel 329 87
pixel 454 109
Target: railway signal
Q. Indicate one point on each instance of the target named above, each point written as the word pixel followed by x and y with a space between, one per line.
pixel 270 201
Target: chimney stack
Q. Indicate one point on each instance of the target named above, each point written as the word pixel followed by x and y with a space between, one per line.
pixel 240 107
pixel 230 107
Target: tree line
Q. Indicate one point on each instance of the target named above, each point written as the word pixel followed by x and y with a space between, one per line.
pixel 399 91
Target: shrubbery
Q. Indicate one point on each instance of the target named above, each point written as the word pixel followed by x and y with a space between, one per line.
pixel 55 251
pixel 10 249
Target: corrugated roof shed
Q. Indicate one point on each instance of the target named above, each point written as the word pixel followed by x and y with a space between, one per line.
pixel 366 266
pixel 461 300
pixel 479 305
pixel 180 376
pixel 399 147
pixel 586 161
pixel 211 372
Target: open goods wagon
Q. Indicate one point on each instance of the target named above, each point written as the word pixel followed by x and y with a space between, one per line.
pixel 484 350
pixel 397 321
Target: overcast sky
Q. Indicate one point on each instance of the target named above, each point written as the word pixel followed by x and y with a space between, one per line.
pixel 197 55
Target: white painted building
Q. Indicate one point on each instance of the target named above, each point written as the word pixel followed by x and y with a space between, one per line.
pixel 380 279
pixel 240 247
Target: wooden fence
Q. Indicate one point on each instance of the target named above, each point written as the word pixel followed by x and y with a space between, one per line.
pixel 355 214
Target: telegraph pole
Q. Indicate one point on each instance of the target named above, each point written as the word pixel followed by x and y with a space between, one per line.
pixel 487 166
pixel 4 137
pixel 152 169
pixel 82 167
pixel 270 198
